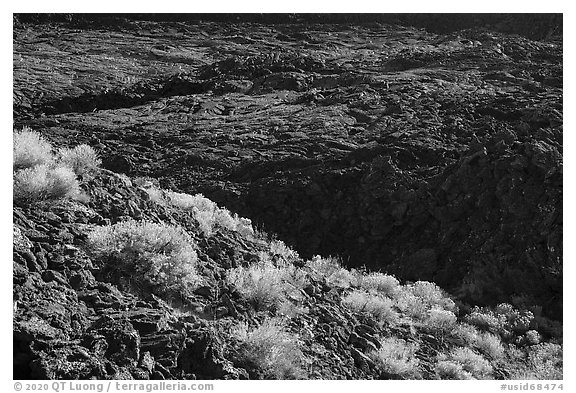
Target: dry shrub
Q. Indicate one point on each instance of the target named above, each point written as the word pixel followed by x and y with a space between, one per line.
pixel 384 283
pixel 490 344
pixel 271 349
pixel 538 362
pixel 331 270
pixel 418 299
pixel 158 255
pixel 447 369
pixel 30 150
pixel 82 159
pixel 396 357
pixel 379 307
pixel 279 250
pixel 465 334
pixel 267 286
pixel 208 215
pixel 469 361
pixel 40 176
pixel 440 320
pixel 44 182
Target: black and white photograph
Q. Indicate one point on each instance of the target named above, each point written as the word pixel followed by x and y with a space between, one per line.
pixel 287 196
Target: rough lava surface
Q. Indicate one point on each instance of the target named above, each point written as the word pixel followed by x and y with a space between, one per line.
pixel 430 157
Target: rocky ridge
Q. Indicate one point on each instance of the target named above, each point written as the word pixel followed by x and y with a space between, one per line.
pixel 73 319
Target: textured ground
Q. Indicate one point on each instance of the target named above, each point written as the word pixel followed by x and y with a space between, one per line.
pixel 433 157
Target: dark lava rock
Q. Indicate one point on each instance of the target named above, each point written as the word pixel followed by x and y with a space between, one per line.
pixel 431 156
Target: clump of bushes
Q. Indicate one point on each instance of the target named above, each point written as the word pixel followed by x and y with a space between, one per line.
pixel 30 149
pixel 331 270
pixel 504 320
pixel 82 159
pixel 464 334
pixel 44 182
pixel 380 282
pixel 419 298
pixel 447 369
pixel 152 256
pixel 440 320
pixel 532 337
pixel 377 306
pixel 431 295
pixel 271 349
pixel 490 345
pixel 279 251
pixel 541 361
pixel 206 212
pixel 40 174
pixel 267 286
pixel 469 336
pixel 463 363
pixel 396 357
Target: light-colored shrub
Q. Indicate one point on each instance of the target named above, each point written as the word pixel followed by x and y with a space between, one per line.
pixel 470 361
pixel 261 285
pixel 156 195
pixel 271 349
pixel 515 320
pixel 490 345
pixel 485 320
pixel 30 150
pixel 384 283
pixel 331 270
pixel 410 304
pixel 503 320
pixel 38 175
pixel 159 255
pixel 267 286
pixel 432 295
pixel 82 159
pixel 533 337
pixel 417 299
pixel 543 361
pixel 279 250
pixel 447 369
pixel 440 320
pixel 379 307
pixel 396 357
pixel 465 334
pixel 44 182
pixel 208 214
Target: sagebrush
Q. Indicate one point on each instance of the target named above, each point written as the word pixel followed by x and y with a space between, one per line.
pixel 160 256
